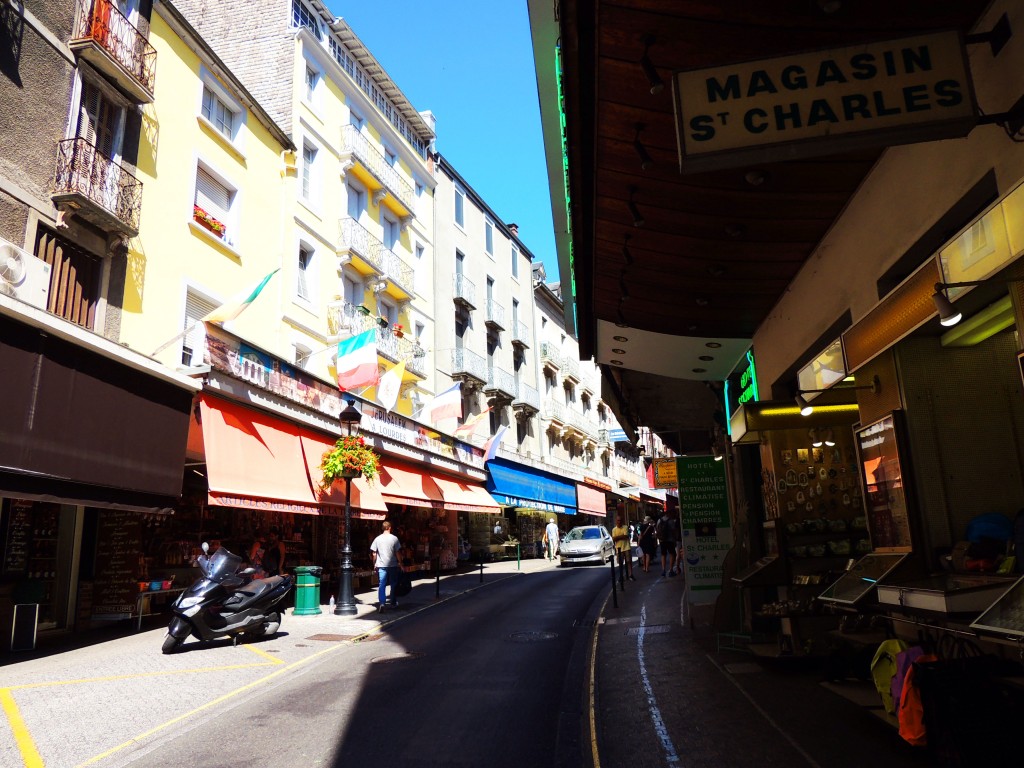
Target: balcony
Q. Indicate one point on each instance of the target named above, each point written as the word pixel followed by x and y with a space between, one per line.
pixel 550 357
pixel 345 317
pixel 571 369
pixel 495 320
pixel 383 180
pixel 96 188
pixel 368 255
pixel 566 422
pixel 469 368
pixel 464 291
pixel 520 335
pixel 104 37
pixel 500 386
pixel 527 400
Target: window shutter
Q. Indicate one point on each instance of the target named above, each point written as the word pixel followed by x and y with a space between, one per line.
pixel 212 196
pixel 195 308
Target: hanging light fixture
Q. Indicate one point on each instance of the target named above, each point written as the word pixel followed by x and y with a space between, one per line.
pixel 645 159
pixel 806 409
pixel 948 314
pixel 816 439
pixel 830 439
pixel 638 220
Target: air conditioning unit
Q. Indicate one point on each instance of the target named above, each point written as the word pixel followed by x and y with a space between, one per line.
pixel 23 276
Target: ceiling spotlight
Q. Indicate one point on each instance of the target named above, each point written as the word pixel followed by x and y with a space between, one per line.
pixel 618 351
pixel 700 370
pixel 755 178
pixel 706 358
pixel 716 453
pixel 616 362
pixel 829 6
pixel 806 409
pixel 653 78
pixel 734 230
pixel 830 438
pixel 638 220
pixel 619 338
pixel 645 159
pixel 713 345
pixel 700 301
pixel 948 314
pixel 816 440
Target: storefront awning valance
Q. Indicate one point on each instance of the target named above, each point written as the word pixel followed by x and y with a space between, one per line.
pixel 520 486
pixel 465 496
pixel 253 460
pixel 366 495
pixel 402 483
pixel 590 500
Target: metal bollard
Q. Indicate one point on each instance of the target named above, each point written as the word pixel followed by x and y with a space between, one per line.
pixel 481 567
pixel 437 582
pixel 615 596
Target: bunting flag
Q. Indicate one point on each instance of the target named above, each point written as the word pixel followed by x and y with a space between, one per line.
pixel 233 307
pixel 491 446
pixel 447 405
pixel 357 361
pixel 471 424
pixel 390 385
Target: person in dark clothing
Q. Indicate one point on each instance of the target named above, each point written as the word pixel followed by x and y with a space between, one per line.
pixel 273 555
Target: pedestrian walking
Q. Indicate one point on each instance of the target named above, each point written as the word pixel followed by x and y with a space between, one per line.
pixel 551 537
pixel 623 550
pixel 385 551
pixel 668 538
pixel 648 537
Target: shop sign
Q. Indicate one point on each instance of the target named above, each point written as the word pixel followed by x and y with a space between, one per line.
pixel 665 473
pixel 239 501
pixel 242 361
pixel 740 389
pixel 707 531
pixel 800 105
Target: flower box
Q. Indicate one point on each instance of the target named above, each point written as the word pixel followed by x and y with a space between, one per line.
pixel 204 219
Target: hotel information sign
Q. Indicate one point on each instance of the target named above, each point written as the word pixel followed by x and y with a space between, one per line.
pixel 707 531
pixel 805 104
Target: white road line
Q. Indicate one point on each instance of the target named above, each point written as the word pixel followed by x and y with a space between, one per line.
pixel 652 704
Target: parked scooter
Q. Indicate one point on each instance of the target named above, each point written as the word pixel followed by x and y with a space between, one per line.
pixel 226 602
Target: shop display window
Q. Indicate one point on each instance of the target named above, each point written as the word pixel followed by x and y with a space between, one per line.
pixel 878 447
pixel 858 583
pixel 1005 617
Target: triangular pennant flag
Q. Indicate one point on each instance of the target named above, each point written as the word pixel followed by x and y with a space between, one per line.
pixel 234 306
pixel 390 385
pixel 491 446
pixel 471 424
pixel 357 361
pixel 448 404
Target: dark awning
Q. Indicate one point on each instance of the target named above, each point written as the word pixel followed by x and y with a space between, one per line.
pixel 84 422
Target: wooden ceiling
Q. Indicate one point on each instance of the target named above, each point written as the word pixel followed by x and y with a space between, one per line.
pixel 716 249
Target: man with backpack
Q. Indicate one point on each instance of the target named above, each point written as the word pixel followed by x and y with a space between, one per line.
pixel 668 540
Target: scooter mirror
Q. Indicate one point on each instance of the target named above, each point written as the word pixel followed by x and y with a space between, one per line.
pixel 247 571
pixel 206 548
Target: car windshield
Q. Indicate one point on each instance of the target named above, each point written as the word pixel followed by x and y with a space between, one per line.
pixel 578 534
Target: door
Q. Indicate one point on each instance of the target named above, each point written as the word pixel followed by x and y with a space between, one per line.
pixel 96 172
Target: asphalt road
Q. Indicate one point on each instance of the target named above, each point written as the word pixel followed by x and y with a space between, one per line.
pixel 492 677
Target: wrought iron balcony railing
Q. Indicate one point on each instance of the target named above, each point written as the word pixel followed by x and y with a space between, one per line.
pixel 495 315
pixel 355 239
pixel 520 334
pixel 526 397
pixel 549 354
pixel 100 22
pixel 464 292
pixel 354 143
pixel 397 271
pixel 501 383
pixel 571 368
pixel 467 363
pixel 342 316
pixel 103 191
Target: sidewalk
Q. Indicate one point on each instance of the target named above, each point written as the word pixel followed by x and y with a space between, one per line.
pixel 665 695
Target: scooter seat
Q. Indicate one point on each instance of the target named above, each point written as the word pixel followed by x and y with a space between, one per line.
pixel 248 593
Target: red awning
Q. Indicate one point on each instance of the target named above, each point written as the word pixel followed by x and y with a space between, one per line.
pixel 466 496
pixel 254 460
pixel 590 501
pixel 402 483
pixel 366 497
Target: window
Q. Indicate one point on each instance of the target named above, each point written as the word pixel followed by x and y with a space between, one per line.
pixel 419 189
pixel 312 79
pixel 515 261
pixel 308 171
pixel 301 355
pixel 418 332
pixel 392 232
pixel 218 113
pixel 460 207
pixel 303 17
pixel 214 204
pixel 356 201
pixel 304 272
pixel 489 238
pixel 352 289
pixel 195 334
pixel 355 120
pixel 388 311
pixel 390 157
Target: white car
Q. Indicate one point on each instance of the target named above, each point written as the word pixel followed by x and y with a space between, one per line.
pixel 586 544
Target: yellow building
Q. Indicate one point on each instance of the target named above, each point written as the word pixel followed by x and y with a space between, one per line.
pixel 214 166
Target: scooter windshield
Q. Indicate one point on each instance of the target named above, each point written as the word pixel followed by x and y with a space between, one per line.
pixel 223 564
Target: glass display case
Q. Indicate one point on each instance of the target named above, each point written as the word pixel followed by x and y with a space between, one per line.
pixel 1004 617
pixel 945 592
pixel 885 485
pixel 858 583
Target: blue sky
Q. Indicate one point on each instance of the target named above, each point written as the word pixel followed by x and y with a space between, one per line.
pixel 471 64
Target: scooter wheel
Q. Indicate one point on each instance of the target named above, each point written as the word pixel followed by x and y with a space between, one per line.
pixel 171 643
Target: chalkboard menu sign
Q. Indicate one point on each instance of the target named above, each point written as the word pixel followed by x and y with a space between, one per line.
pixel 15 561
pixel 118 562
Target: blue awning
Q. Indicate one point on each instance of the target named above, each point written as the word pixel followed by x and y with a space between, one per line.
pixel 517 485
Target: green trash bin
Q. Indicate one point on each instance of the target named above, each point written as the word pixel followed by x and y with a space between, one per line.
pixel 307 590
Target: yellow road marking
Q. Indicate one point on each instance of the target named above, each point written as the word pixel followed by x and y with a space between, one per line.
pixel 264 654
pixel 163 673
pixel 29 754
pixel 593 675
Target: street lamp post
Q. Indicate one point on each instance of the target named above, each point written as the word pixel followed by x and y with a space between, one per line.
pixel 346 603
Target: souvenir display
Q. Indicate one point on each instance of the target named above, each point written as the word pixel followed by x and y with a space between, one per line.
pixel 823 473
pixel 802 455
pixel 802 480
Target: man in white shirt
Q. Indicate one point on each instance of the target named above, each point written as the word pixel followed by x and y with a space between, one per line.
pixel 551 532
pixel 384 552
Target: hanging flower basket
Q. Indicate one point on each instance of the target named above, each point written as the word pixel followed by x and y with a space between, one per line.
pixel 349 458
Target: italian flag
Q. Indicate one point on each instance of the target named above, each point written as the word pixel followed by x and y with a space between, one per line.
pixel 357 361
